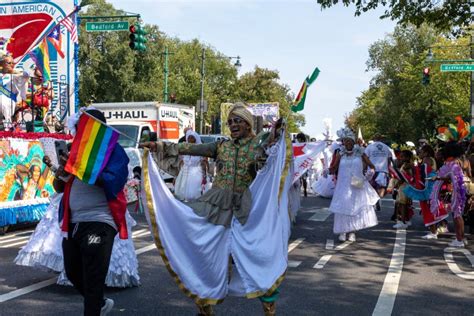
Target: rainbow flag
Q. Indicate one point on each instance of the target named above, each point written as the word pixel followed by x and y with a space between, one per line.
pixel 40 56
pixel 91 149
pixel 298 105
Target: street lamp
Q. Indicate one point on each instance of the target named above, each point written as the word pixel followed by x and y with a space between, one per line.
pixel 237 65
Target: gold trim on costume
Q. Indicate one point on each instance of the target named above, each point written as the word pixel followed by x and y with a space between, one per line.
pixel 270 290
pixel 156 237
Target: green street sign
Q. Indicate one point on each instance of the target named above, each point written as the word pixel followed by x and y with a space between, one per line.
pixel 106 26
pixel 457 67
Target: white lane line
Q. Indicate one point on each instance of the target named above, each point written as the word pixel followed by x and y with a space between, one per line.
pixel 37 286
pixel 453 266
pixel 17 234
pixel 13 239
pixel 24 242
pixel 295 244
pixel 141 235
pixel 343 245
pixel 320 215
pixel 293 263
pixel 388 294
pixel 329 244
pixel 320 264
pixel 25 290
pixel 137 232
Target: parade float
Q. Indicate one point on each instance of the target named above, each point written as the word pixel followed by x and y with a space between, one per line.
pixel 38 55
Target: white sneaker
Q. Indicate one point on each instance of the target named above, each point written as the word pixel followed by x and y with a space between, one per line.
pixel 108 305
pixel 442 230
pixel 342 237
pixel 400 225
pixel 352 237
pixel 430 236
pixel 456 244
pixel 464 241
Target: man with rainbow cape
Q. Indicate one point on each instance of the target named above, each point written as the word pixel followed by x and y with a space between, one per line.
pixel 234 239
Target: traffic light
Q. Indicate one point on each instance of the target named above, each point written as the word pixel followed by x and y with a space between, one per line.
pixel 137 37
pixel 426 76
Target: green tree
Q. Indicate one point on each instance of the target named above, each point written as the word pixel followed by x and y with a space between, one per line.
pixel 397 104
pixel 452 16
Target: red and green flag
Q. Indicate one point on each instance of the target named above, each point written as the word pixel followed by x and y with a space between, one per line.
pixel 91 149
pixel 298 105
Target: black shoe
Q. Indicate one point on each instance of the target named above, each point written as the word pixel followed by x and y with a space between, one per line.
pixel 377 207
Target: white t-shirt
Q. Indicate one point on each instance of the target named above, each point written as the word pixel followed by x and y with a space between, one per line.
pixel 378 154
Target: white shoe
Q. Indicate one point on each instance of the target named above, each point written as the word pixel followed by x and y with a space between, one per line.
pixel 352 237
pixel 430 236
pixel 456 244
pixel 108 305
pixel 464 241
pixel 342 237
pixel 400 225
pixel 442 230
pixel 408 223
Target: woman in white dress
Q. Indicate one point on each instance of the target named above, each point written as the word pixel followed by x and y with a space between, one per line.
pixel 354 198
pixel 192 174
pixel 326 183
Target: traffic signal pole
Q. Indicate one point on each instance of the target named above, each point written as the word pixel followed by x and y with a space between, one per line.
pixel 165 92
pixel 472 79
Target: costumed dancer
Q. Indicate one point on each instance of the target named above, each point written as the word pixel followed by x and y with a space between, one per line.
pixel 326 183
pixel 192 173
pixel 403 204
pixel 421 188
pixel 233 240
pixel 354 198
pixel 451 173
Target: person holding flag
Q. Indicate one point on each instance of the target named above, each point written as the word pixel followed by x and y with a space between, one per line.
pixel 93 205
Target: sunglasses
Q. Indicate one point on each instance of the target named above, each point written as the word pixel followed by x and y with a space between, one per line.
pixel 235 120
pixel 8 62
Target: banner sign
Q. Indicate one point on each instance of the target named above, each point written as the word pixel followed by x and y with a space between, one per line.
pixel 24 25
pixel 305 155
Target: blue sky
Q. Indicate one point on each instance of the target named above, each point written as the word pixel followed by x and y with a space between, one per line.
pixel 292 36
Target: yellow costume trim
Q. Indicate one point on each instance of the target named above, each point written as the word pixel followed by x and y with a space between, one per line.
pixel 270 291
pixel 156 237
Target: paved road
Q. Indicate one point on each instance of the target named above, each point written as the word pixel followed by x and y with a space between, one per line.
pixel 385 271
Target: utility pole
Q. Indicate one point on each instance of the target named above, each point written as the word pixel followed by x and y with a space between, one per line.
pixel 201 103
pixel 472 79
pixel 165 88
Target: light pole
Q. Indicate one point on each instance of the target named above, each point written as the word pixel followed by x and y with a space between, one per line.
pixel 237 64
pixel 166 53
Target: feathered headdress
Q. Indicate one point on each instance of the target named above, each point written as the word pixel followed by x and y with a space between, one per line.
pixel 345 133
pixel 327 123
pixel 457 132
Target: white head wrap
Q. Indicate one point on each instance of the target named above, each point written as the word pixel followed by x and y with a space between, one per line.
pixel 196 136
pixel 345 133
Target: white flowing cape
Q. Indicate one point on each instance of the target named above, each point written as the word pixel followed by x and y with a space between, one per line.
pixel 198 253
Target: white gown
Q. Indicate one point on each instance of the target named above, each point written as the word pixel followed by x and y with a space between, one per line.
pixel 353 207
pixel 44 251
pixel 188 186
pixel 325 186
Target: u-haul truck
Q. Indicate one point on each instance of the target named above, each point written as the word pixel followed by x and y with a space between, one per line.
pixel 137 119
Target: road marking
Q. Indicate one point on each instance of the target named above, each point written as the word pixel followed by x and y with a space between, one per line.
pixel 24 242
pixel 37 286
pixel 5 241
pixel 320 215
pixel 137 232
pixel 17 234
pixel 141 234
pixel 293 263
pixel 329 244
pixel 453 266
pixel 388 294
pixel 320 264
pixel 295 244
pixel 343 245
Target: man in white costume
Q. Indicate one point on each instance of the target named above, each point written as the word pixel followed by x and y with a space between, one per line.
pixel 233 240
pixel 381 156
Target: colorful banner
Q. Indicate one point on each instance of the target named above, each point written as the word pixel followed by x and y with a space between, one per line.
pixel 25 181
pixel 23 26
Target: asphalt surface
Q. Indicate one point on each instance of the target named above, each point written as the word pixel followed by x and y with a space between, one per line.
pixel 325 276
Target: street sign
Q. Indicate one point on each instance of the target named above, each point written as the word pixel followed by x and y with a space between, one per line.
pixel 106 26
pixel 457 67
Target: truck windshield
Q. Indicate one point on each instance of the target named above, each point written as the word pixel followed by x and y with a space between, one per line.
pixel 129 130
